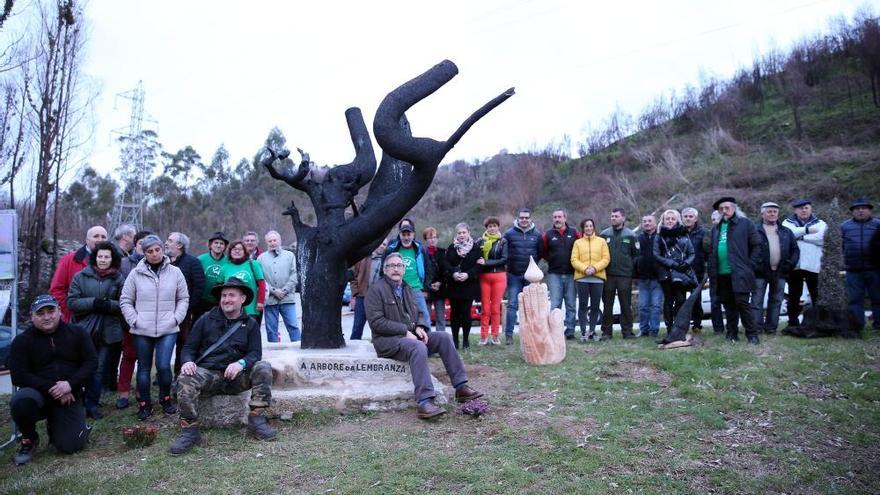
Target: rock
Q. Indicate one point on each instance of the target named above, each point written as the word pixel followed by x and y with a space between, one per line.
pixel 224 410
pixel 542 334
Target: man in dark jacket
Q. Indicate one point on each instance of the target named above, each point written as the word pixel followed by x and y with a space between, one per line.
pixel 862 270
pixel 622 246
pixel 419 273
pixel 735 254
pixel 400 332
pixel 690 218
pixel 557 245
pixel 650 292
pixel 175 247
pixel 523 241
pixel 780 255
pixel 50 363
pixel 223 355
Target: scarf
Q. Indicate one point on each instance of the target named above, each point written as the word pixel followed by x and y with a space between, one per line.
pixel 464 247
pixel 488 241
pixel 432 250
pixel 106 272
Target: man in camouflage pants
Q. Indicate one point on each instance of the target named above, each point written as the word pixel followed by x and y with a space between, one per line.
pixel 229 368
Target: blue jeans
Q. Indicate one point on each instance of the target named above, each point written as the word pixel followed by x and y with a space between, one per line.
pixel 439 306
pixel 288 312
pixel 776 284
pixel 562 288
pixel 650 300
pixel 859 284
pixel 162 346
pixel 96 382
pixel 515 284
pixel 360 319
pixel 423 306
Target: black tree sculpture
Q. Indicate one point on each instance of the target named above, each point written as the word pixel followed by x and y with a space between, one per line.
pixel 408 166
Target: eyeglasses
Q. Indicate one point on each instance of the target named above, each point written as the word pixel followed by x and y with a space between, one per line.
pixel 396 266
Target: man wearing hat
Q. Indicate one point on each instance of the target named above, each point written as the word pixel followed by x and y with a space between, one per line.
pixel 735 253
pixel 222 355
pixel 418 274
pixel 862 271
pixel 810 234
pixel 50 363
pixel 213 263
pixel 780 256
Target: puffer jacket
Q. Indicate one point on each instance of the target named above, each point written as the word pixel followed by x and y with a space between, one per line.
pixel 85 288
pixel 590 251
pixel 671 248
pixel 810 245
pixel 857 238
pixel 520 245
pixel 154 303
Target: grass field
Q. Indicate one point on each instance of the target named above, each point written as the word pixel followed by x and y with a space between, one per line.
pixel 789 416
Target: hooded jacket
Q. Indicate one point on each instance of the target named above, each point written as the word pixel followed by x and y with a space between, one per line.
pixel 154 303
pixel 521 244
pixel 38 360
pixel 244 344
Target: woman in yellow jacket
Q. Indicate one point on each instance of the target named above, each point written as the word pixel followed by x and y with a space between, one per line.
pixel 589 257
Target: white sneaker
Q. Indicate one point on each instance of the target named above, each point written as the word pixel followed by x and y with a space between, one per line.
pixel 484 341
pixel 496 340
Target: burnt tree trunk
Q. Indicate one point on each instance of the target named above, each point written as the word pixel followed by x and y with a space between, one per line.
pixel 408 166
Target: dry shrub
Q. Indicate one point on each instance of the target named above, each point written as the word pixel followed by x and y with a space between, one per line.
pixel 718 141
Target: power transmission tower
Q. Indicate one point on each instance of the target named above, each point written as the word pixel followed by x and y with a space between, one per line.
pixel 129 207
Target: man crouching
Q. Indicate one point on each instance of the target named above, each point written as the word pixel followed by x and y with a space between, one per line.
pixel 400 332
pixel 222 356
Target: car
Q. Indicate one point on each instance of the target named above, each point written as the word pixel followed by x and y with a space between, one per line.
pixel 5 342
pixel 476 312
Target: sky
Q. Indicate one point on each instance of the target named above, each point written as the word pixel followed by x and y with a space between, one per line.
pixel 226 72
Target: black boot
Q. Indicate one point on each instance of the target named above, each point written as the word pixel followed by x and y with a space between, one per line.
pixel 189 437
pixel 465 338
pixel 168 407
pixel 145 409
pixel 258 426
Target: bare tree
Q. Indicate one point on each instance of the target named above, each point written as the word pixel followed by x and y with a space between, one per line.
pixel 407 168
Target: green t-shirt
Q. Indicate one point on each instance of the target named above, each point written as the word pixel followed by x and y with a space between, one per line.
pixel 411 275
pixel 249 272
pixel 213 274
pixel 723 259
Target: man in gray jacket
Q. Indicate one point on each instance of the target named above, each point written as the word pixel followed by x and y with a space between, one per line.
pixel 279 269
pixel 400 332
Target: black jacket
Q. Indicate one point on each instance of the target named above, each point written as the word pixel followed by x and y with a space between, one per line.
pixel 520 245
pixel 789 253
pixel 497 260
pixel 673 253
pixel 438 274
pixel 244 344
pixel 557 249
pixel 38 360
pixel 85 288
pixel 194 274
pixel 696 236
pixel 470 288
pixel 743 251
pixel 646 264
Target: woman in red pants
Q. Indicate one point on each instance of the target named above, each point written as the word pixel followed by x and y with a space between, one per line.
pixel 493 279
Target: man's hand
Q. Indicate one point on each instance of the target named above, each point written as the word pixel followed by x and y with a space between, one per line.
pixel 67 399
pixel 481 261
pixel 60 389
pixel 232 371
pixel 351 303
pixel 421 334
pixel 410 335
pixel 188 368
pixel 279 294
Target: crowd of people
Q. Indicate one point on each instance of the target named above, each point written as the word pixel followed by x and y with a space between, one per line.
pixel 138 298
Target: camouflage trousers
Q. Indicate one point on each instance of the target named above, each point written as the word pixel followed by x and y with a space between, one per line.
pixel 205 383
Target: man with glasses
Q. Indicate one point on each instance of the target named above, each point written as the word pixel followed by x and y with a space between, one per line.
pixel 400 332
pixel 419 274
pixel 523 241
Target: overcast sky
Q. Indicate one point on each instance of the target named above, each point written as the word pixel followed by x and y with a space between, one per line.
pixel 228 71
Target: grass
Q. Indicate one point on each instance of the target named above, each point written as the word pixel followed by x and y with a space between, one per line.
pixel 789 416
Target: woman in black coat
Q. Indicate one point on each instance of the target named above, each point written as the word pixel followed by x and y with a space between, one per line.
pixel 674 256
pixel 93 298
pixel 462 284
pixel 436 288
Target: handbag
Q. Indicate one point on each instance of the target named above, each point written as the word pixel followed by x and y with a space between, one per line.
pixel 93 323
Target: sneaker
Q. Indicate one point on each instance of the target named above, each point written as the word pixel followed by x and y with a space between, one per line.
pixel 496 340
pixel 26 450
pixel 168 407
pixel 484 341
pixel 584 337
pixel 508 339
pixel 145 410
pixel 122 403
pixel 753 339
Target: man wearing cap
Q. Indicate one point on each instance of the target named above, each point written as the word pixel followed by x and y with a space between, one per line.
pixel 862 272
pixel 50 363
pixel 213 263
pixel 415 258
pixel 222 356
pixel 71 264
pixel 780 256
pixel 810 234
pixel 400 332
pixel 735 254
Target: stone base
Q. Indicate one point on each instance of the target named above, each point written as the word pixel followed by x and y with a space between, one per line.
pixel 224 410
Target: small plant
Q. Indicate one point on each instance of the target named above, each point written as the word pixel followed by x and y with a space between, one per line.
pixel 475 408
pixel 140 435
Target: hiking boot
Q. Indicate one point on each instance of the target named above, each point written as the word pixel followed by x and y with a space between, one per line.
pixel 258 426
pixel 145 410
pixel 122 403
pixel 496 340
pixel 168 407
pixel 484 341
pixel 429 410
pixel 189 437
pixel 26 450
pixel 628 336
pixel 508 339
pixel 465 393
pixel 753 339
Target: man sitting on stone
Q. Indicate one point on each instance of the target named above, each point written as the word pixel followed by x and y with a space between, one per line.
pixel 222 357
pixel 400 332
pixel 50 363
